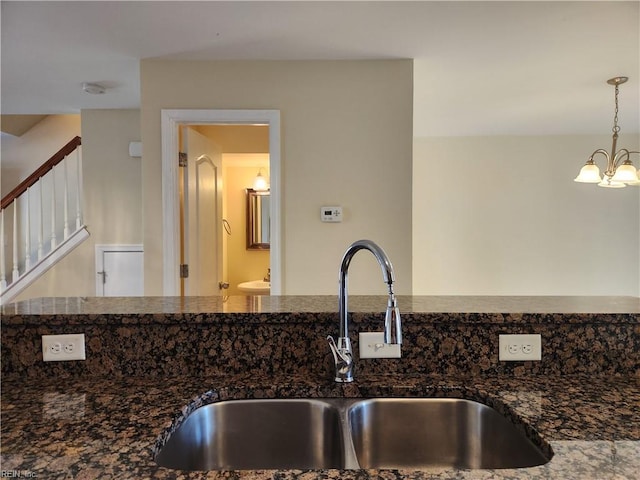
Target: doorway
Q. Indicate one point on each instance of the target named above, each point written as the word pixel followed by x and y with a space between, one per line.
pixel 220 163
pixel 171 121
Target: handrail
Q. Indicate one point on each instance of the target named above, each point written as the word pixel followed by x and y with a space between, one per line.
pixel 41 171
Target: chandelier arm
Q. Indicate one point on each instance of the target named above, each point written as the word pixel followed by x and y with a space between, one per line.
pixel 610 169
pixel 601 151
pixel 622 154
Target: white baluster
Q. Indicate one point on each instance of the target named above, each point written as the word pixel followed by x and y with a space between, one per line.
pixel 53 210
pixel 15 273
pixel 27 239
pixel 40 223
pixel 78 190
pixel 3 276
pixel 65 232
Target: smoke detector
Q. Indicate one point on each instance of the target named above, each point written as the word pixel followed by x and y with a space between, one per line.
pixel 93 88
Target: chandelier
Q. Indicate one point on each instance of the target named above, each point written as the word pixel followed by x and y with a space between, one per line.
pixel 620 171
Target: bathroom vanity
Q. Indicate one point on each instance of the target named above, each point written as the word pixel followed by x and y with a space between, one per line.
pixel 152 362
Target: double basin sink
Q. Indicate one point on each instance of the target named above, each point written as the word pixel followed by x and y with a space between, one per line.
pixel 343 433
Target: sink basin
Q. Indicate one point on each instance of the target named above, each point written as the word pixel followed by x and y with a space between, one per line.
pixel 342 433
pixel 256 435
pixel 421 432
pixel 255 287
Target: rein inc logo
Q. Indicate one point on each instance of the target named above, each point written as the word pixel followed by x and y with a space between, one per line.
pixel 17 474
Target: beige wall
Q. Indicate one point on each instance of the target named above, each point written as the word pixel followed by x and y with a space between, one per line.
pixel 238 138
pixel 346 140
pixel 112 201
pixel 113 193
pixel 502 216
pixel 22 155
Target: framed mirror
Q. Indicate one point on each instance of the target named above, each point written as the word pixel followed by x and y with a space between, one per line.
pixel 258 220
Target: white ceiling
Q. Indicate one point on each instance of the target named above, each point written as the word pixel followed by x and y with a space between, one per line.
pixel 480 67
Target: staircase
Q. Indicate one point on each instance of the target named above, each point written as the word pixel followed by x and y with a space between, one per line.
pixel 41 221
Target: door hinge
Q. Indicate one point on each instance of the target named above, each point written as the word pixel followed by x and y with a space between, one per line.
pixel 184 271
pixel 182 159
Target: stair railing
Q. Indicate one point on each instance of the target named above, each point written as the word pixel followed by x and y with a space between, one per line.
pixel 31 226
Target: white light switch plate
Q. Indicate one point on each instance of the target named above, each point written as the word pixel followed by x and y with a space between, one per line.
pixel 372 346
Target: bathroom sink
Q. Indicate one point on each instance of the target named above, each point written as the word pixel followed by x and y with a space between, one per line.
pixel 348 434
pixel 256 435
pixel 421 432
pixel 255 287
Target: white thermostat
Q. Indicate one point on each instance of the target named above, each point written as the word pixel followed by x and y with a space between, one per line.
pixel 331 214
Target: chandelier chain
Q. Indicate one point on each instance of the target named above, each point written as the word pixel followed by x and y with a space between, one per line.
pixel 616 128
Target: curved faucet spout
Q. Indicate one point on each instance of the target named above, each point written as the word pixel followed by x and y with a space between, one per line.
pixel 392 327
pixel 387 275
pixel 378 252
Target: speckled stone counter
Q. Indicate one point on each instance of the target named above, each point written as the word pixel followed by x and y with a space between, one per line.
pixel 150 361
pixel 157 308
pixel 109 429
pixel 203 336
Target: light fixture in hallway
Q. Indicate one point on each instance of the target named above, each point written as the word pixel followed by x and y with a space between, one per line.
pixel 260 183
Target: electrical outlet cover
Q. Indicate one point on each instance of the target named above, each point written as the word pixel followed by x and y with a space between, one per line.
pixel 60 348
pixel 520 347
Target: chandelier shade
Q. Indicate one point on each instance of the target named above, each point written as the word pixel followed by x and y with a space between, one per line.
pixel 625 173
pixel 590 173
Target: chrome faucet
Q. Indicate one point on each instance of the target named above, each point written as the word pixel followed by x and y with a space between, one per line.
pixel 342 352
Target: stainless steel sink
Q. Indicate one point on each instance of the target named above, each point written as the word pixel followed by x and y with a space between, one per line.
pixel 414 433
pixel 257 434
pixel 342 433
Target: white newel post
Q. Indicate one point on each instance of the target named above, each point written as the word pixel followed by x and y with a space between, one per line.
pixel 3 275
pixel 66 200
pixel 27 231
pixel 78 190
pixel 40 222
pixel 53 210
pixel 15 273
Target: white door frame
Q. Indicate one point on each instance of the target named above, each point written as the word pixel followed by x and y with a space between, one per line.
pixel 170 188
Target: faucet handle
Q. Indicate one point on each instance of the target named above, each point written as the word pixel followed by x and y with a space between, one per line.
pixel 341 353
pixel 343 358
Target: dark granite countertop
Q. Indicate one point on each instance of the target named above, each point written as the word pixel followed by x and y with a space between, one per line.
pixel 81 422
pixel 202 309
pixel 86 429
